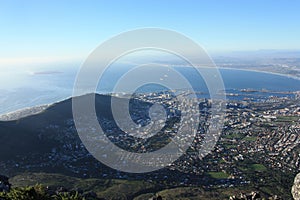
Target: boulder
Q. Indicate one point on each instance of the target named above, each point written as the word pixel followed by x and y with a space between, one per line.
pixel 296 187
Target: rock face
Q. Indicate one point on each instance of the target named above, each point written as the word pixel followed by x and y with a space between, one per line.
pixel 252 196
pixel 296 187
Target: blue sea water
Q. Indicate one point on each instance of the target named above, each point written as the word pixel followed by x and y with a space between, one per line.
pixel 27 88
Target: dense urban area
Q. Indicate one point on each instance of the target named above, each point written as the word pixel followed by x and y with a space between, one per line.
pixel 258 147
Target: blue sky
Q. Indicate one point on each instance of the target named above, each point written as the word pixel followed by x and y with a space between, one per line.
pixel 72 29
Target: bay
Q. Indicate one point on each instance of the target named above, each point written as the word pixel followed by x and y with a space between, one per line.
pixel 32 88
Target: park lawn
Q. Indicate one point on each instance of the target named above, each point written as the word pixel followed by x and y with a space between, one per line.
pixel 218 175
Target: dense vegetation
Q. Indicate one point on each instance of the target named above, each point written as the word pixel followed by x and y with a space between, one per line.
pixel 43 186
pixel 39 192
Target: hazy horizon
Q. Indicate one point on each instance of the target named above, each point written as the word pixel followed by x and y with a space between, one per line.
pixel 39 32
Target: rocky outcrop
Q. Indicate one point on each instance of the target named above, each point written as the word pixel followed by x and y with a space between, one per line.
pixel 242 196
pixel 296 187
pixel 252 196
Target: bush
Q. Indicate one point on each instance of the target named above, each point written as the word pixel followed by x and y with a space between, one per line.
pixel 38 192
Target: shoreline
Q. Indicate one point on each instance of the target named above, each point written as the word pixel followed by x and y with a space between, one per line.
pixel 24 111
pixel 260 71
pixel 28 110
pixel 249 70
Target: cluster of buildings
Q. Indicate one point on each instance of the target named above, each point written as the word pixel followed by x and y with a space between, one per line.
pixel 266 132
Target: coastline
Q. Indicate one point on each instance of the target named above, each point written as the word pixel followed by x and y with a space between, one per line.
pixel 27 111
pixel 260 71
pixel 31 110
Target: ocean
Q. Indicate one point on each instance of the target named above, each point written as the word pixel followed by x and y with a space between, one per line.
pixel 28 87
